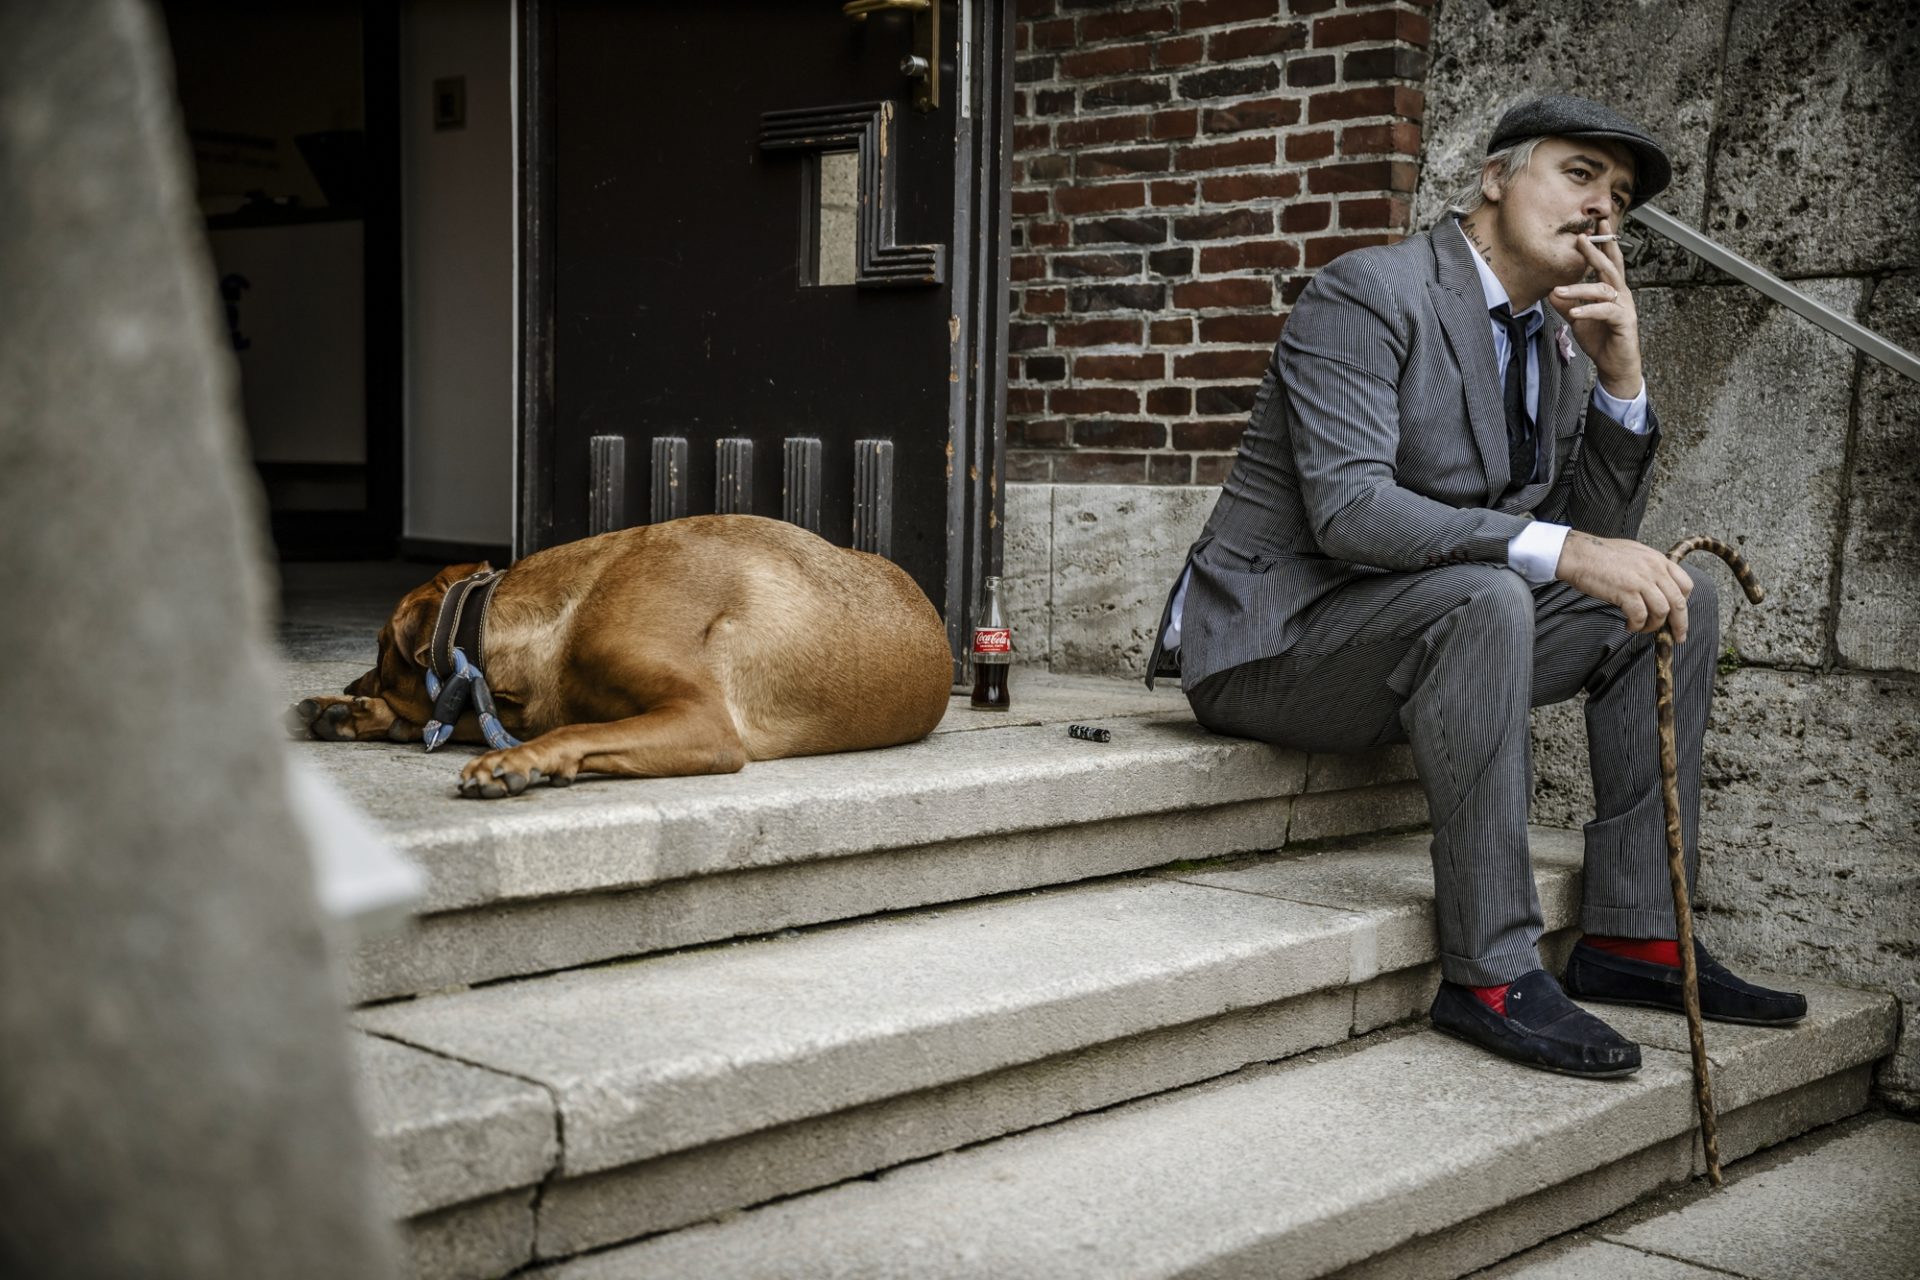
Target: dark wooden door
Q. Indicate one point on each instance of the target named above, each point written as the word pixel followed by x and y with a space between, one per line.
pixel 772 276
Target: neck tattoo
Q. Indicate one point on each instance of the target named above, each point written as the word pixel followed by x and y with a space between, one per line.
pixel 1479 241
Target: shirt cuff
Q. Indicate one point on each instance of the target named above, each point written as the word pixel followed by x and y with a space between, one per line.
pixel 1534 552
pixel 1631 414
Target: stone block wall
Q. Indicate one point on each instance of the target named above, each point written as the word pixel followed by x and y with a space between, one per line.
pixel 1087 570
pixel 1795 130
pixel 1181 168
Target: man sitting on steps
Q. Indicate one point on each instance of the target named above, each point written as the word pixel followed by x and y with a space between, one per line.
pixel 1430 527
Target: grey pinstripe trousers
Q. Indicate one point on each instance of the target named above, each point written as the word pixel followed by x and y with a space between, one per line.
pixel 1449 660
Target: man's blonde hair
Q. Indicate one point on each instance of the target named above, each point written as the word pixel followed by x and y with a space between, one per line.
pixel 1508 161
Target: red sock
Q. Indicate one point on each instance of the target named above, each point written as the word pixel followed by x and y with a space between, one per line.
pixel 1495 998
pixel 1652 950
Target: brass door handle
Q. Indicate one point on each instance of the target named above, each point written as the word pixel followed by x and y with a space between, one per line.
pixel 859 9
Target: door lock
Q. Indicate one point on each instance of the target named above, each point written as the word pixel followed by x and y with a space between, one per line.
pixel 923 64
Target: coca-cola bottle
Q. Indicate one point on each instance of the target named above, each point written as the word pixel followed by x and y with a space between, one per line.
pixel 992 652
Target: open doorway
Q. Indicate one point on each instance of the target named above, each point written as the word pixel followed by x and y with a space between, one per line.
pixel 292 114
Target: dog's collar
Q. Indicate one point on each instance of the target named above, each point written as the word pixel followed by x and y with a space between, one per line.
pixel 462 622
pixel 455 672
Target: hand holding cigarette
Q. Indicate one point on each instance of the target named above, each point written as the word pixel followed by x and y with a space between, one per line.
pixel 1602 312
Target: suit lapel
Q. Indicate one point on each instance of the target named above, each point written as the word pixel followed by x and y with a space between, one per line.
pixel 1552 372
pixel 1461 306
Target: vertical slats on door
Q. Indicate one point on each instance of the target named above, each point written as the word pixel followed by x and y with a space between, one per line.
pixel 800 489
pixel 873 496
pixel 669 478
pixel 606 484
pixel 733 476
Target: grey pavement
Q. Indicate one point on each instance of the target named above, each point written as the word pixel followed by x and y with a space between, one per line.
pixel 1844 1202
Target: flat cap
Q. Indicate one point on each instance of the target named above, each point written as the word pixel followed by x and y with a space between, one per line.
pixel 1563 116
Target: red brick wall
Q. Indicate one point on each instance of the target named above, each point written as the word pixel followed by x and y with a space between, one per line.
pixel 1181 167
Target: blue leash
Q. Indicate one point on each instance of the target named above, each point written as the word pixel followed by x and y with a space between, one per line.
pixel 465 685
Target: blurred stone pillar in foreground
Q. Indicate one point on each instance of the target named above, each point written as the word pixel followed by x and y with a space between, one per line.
pixel 175 1099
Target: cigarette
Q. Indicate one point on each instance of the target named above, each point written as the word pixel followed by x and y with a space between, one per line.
pixel 1089 733
pixel 1598 239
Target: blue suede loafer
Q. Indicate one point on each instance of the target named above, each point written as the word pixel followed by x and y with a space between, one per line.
pixel 1542 1028
pixel 1600 976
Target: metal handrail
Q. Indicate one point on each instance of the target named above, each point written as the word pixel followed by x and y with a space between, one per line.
pixel 1718 255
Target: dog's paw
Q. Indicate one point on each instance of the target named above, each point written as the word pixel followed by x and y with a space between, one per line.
pixel 333 718
pixel 508 773
pixel 300 717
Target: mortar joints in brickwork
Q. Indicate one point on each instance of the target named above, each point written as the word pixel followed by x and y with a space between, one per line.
pixel 1327 36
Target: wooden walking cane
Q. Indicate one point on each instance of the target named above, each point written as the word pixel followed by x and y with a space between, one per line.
pixel 1676 843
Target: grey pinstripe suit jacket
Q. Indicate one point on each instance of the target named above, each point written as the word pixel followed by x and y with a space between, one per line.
pixel 1378 443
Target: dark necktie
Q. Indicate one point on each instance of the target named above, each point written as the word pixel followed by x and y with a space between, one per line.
pixel 1520 449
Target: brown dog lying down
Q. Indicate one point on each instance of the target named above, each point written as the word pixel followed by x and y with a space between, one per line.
pixel 686 647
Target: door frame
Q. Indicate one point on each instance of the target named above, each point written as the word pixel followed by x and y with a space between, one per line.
pixel 978 263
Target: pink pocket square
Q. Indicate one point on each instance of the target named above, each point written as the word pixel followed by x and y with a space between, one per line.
pixel 1565 342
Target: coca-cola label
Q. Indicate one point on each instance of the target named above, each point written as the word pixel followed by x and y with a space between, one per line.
pixel 993 640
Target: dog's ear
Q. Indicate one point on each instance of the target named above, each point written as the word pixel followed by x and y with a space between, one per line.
pixel 413 629
pixel 413 621
pixel 408 634
pixel 454 572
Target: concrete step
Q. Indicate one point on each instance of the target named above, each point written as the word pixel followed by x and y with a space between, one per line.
pixel 1402 1154
pixel 990 803
pixel 685 1085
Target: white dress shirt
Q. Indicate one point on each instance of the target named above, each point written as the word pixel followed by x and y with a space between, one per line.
pixel 1534 552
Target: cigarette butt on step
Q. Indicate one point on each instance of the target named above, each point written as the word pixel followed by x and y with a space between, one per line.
pixel 1089 733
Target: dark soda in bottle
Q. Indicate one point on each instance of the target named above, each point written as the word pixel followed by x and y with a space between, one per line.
pixel 992 652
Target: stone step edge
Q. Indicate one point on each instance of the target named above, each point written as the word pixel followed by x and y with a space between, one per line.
pixel 917 795
pixel 565 1216
pixel 1353 940
pixel 520 939
pixel 1065 1199
pixel 600 1210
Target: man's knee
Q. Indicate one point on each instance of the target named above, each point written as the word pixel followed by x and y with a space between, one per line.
pixel 1495 598
pixel 1489 624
